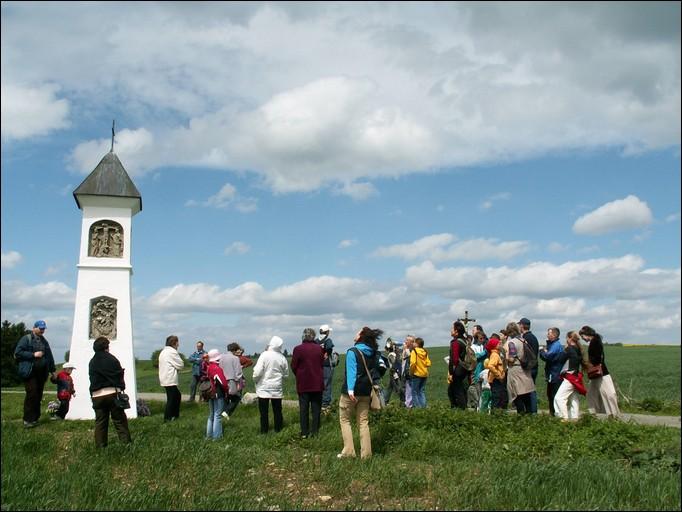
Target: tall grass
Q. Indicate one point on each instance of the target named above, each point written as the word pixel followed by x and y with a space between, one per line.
pixel 434 458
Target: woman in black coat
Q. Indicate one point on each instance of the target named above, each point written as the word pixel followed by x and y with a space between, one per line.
pixel 106 380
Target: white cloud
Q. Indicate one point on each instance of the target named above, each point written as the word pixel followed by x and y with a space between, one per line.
pixel 223 198
pixel 227 197
pixel 31 111
pixel 237 248
pixel 673 217
pixel 54 269
pixel 442 247
pixel 358 190
pixel 556 247
pixel 489 202
pixel 11 259
pixel 135 148
pixel 51 295
pixel 345 244
pixel 312 296
pixel 622 214
pixel 415 89
pixel 623 277
pixel 568 295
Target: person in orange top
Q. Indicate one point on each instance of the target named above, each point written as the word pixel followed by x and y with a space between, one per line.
pixel 496 373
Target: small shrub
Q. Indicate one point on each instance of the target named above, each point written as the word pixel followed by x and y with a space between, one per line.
pixel 651 404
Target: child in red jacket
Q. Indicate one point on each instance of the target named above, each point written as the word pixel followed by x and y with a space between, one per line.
pixel 65 390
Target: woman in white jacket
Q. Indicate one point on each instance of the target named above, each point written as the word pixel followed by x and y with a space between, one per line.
pixel 268 375
pixel 169 364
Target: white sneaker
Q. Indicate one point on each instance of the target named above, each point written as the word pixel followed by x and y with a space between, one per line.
pixel 225 415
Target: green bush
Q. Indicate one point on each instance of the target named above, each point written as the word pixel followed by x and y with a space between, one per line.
pixel 651 404
pixel 11 334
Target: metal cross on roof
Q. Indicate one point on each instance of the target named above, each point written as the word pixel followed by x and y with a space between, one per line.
pixel 466 319
pixel 113 123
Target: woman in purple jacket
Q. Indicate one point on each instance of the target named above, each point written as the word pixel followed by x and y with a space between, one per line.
pixel 306 363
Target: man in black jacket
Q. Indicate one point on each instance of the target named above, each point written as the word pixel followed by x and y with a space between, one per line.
pixel 35 360
pixel 524 327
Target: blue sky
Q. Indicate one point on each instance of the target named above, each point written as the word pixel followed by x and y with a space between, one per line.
pixel 381 164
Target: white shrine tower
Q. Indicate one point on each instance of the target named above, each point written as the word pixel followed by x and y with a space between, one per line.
pixel 109 200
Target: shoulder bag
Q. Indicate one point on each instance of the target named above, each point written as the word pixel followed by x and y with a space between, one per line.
pixel 121 399
pixel 376 402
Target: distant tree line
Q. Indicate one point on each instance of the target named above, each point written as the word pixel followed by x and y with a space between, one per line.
pixel 11 334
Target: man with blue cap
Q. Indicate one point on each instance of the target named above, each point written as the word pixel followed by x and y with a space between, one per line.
pixel 35 362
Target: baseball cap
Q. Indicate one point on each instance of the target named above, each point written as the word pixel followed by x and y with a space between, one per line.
pixel 524 321
pixel 40 324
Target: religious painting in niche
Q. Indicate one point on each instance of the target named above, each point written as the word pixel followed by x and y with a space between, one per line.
pixel 103 317
pixel 106 239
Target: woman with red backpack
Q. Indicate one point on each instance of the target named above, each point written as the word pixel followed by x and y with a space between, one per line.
pixel 214 425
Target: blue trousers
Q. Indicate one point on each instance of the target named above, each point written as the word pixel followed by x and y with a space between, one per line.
pixel 418 392
pixel 328 374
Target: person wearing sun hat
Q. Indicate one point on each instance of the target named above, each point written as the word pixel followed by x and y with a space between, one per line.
pixel 35 362
pixel 215 374
pixel 65 390
pixel 268 374
pixel 325 341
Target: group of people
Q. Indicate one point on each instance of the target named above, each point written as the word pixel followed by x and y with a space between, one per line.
pixel 503 369
pixel 483 373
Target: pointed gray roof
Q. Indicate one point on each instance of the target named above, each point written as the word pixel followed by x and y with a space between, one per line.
pixel 108 179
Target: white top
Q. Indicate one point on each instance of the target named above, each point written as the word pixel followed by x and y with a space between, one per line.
pixel 169 364
pixel 270 371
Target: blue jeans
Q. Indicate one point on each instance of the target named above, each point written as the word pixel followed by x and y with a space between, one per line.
pixel 328 373
pixel 418 392
pixel 408 394
pixel 214 427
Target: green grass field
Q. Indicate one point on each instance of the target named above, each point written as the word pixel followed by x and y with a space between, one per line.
pixel 431 459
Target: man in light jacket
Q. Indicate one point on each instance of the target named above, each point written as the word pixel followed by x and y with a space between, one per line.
pixel 269 373
pixel 169 364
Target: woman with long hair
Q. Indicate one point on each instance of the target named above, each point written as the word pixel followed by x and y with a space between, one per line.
pixel 567 399
pixel 519 380
pixel 457 374
pixel 362 370
pixel 601 393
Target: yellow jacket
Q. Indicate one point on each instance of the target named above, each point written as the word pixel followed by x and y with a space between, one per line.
pixel 419 362
pixel 495 366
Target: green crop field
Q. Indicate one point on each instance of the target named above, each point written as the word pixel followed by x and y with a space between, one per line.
pixel 429 459
pixel 647 378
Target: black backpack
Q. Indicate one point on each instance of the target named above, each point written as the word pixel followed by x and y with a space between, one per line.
pixel 530 358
